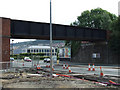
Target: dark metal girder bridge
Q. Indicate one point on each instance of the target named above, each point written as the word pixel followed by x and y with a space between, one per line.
pixel 10 28
pixel 37 30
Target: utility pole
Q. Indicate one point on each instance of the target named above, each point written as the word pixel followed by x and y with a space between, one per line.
pixel 51 61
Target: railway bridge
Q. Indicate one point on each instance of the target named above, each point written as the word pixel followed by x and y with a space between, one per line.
pixel 10 28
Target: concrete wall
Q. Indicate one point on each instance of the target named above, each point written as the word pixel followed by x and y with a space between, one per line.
pixel 106 55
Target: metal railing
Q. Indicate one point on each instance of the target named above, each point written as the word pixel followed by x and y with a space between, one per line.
pixel 21 64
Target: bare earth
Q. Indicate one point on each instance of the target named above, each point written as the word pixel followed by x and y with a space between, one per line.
pixel 44 81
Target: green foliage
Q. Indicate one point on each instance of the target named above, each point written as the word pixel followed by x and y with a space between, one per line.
pixel 114 41
pixel 75 46
pixel 115 26
pixel 96 18
pixel 114 44
pixel 67 43
pixel 35 56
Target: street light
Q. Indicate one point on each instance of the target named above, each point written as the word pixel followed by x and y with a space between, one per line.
pixel 51 61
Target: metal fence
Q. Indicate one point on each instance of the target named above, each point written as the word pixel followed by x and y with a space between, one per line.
pixel 21 64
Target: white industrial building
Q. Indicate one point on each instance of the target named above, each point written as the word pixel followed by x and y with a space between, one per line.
pixel 40 49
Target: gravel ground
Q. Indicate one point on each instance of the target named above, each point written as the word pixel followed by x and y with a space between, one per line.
pixel 47 82
pixel 53 84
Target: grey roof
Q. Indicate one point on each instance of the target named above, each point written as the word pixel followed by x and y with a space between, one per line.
pixel 39 47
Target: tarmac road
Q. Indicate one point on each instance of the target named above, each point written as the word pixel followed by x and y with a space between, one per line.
pixel 75 67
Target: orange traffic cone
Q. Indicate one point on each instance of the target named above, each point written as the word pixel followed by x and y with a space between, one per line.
pixel 89 68
pixel 53 69
pixel 67 66
pixel 93 69
pixel 101 73
pixel 47 65
pixel 23 64
pixel 64 66
pixel 39 66
pixel 69 70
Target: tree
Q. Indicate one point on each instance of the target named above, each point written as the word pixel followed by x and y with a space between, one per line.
pixel 115 36
pixel 95 18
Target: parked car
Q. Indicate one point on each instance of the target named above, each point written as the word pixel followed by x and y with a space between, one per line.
pixel 12 59
pixel 47 60
pixel 27 59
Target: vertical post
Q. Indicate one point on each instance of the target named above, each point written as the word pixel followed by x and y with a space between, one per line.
pixel 119 9
pixel 4 40
pixel 12 48
pixel 107 53
pixel 51 63
pixel 7 66
pixel 32 64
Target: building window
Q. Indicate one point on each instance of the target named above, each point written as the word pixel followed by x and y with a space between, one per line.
pixel 47 54
pixel 52 50
pixel 39 50
pixel 45 50
pixel 56 50
pixel 28 51
pixel 48 50
pixel 55 53
pixel 32 51
pixel 42 50
pixel 36 50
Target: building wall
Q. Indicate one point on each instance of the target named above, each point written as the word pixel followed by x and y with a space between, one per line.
pixel 106 55
pixel 40 50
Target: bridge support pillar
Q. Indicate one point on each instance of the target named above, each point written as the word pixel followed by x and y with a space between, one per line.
pixel 4 42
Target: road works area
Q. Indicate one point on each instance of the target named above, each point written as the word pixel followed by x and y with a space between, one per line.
pixel 39 77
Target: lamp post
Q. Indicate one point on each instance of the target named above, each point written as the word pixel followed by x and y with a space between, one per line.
pixel 51 61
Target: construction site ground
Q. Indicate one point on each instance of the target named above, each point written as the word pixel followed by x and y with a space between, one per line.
pixel 24 77
pixel 43 80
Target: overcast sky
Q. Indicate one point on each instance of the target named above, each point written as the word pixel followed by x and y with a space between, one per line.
pixel 63 11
